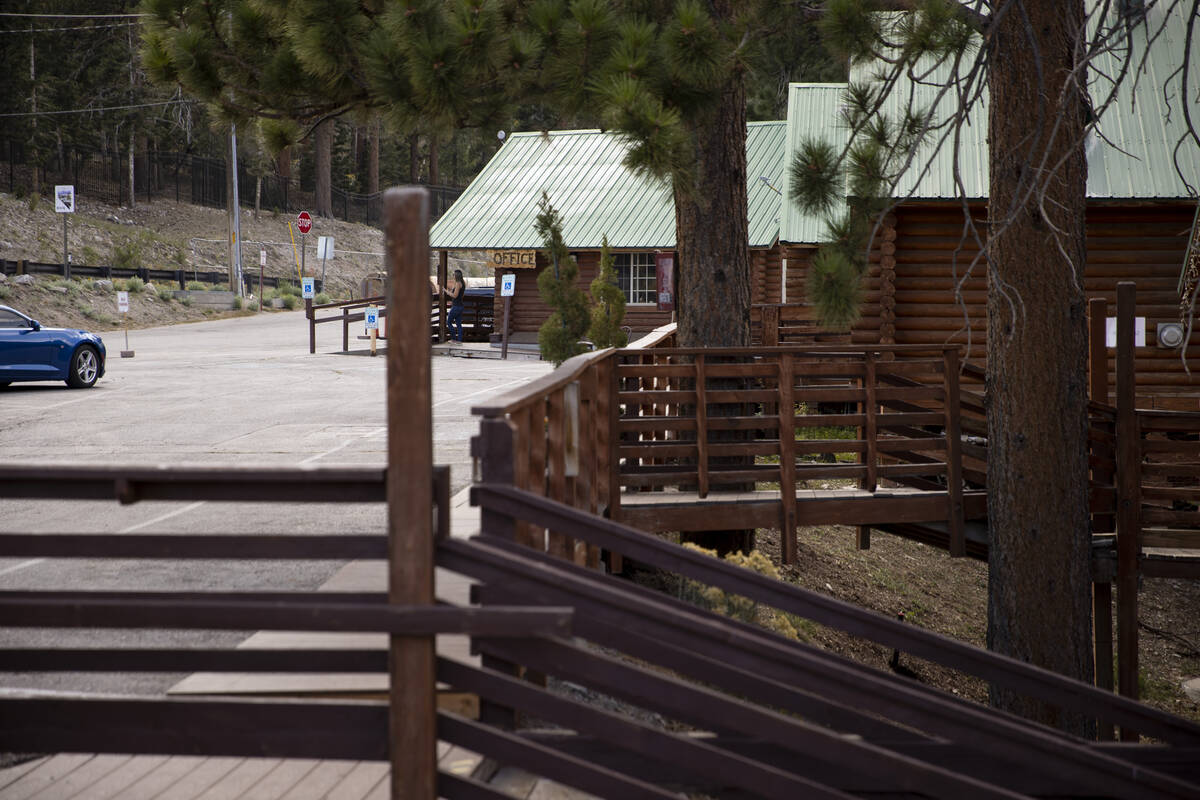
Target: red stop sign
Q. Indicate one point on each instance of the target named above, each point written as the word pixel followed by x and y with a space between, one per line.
pixel 304 222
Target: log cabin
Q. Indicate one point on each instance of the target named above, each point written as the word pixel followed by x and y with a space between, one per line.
pixel 1143 175
pixel 584 175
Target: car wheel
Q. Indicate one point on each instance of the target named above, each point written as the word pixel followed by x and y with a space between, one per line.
pixel 85 368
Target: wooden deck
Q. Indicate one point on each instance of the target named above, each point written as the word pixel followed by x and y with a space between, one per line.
pixel 672 510
pixel 87 776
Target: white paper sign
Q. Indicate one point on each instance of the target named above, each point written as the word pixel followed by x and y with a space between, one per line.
pixel 508 285
pixel 1139 332
pixel 262 258
pixel 324 247
pixel 308 287
pixel 371 317
pixel 64 199
pixel 123 302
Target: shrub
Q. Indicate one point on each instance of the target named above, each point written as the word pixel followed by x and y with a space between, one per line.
pixel 135 285
pixel 252 305
pixel 127 255
pixel 237 304
pixel 187 301
pixel 165 294
pixel 559 336
pixel 321 298
pixel 290 301
pixel 197 286
pixel 5 293
pixel 285 289
pixel 90 255
pixel 608 304
pixel 736 606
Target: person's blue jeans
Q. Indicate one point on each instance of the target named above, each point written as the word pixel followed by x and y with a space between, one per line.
pixel 454 320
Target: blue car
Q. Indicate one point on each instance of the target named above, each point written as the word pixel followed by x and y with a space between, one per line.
pixel 29 352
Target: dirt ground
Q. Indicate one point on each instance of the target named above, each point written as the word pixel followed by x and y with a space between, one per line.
pixel 896 576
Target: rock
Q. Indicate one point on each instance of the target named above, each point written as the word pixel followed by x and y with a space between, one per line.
pixel 59 289
pixel 149 289
pixel 24 279
pixel 1192 689
pixel 104 284
pixel 113 218
pixel 3 278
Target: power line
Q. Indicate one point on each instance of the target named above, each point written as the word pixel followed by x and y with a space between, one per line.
pixel 70 16
pixel 90 110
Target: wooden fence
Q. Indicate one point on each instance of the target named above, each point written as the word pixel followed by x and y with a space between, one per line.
pixel 179 276
pixel 476 319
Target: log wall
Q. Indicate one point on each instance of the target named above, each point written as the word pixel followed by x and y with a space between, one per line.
pixel 1142 243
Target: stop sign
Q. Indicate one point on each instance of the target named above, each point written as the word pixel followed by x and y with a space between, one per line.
pixel 304 222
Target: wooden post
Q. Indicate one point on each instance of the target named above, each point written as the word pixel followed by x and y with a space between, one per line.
pixel 954 523
pixel 312 325
pixel 1102 633
pixel 345 329
pixel 870 433
pixel 787 458
pixel 701 427
pixel 558 545
pixel 612 385
pixel 504 329
pixel 443 269
pixel 1129 500
pixel 412 710
pixel 770 326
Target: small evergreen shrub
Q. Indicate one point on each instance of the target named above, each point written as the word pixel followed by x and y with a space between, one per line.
pixel 290 301
pixel 196 286
pixel 560 335
pixel 608 304
pixel 237 304
pixel 127 255
pixel 321 298
pixel 135 285
pixel 165 294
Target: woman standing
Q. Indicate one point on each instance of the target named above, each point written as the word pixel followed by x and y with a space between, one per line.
pixel 455 291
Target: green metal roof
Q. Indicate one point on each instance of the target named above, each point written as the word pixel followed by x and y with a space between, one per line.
pixel 814 110
pixel 1134 157
pixel 596 195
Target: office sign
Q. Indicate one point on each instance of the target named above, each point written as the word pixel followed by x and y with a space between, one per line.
pixel 512 259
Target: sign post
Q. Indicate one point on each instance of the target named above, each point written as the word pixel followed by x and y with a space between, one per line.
pixel 508 287
pixel 64 203
pixel 324 252
pixel 304 223
pixel 123 310
pixel 371 317
pixel 262 262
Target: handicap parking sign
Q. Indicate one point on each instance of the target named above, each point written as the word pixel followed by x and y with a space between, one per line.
pixel 308 285
pixel 371 316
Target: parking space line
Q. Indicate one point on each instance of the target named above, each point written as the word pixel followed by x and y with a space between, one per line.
pixel 163 517
pixel 15 567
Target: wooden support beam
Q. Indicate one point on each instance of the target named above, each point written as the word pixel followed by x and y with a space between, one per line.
pixel 701 425
pixel 954 488
pixel 787 458
pixel 1128 499
pixel 412 710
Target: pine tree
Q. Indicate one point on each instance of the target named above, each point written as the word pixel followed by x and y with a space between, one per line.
pixel 1033 61
pixel 560 335
pixel 608 304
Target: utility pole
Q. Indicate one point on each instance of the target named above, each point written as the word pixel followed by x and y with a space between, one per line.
pixel 235 220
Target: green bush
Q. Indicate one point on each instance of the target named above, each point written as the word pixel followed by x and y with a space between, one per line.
pixel 237 304
pixel 90 255
pixel 252 305
pixel 5 293
pixel 187 301
pixel 127 255
pixel 165 294
pixel 285 289
pixel 135 285
pixel 321 298
pixel 290 301
pixel 197 286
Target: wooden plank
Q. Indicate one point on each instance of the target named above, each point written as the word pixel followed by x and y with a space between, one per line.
pixel 702 453
pixel 557 483
pixel 358 783
pixel 1171 538
pixel 590 437
pixel 787 458
pixel 161 778
pixel 413 693
pixel 522 433
pixel 954 508
pixel 536 536
pixel 870 432
pixel 239 781
pixel 1129 504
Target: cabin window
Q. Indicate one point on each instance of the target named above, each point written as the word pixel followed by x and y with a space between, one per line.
pixel 636 277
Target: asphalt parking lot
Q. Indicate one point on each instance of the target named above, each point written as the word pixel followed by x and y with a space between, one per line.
pixel 239 391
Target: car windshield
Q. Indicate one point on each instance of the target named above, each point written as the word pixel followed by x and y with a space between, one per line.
pixel 11 319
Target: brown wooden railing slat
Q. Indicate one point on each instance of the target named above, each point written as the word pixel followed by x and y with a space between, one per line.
pixel 702 451
pixel 557 543
pixel 953 440
pixel 787 457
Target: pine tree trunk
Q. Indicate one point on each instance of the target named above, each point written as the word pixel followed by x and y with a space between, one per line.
pixel 434 170
pixel 323 145
pixel 712 239
pixel 373 159
pixel 1039 571
pixel 414 159
pixel 711 231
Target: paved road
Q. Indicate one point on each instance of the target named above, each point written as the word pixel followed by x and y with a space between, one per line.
pixel 239 391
